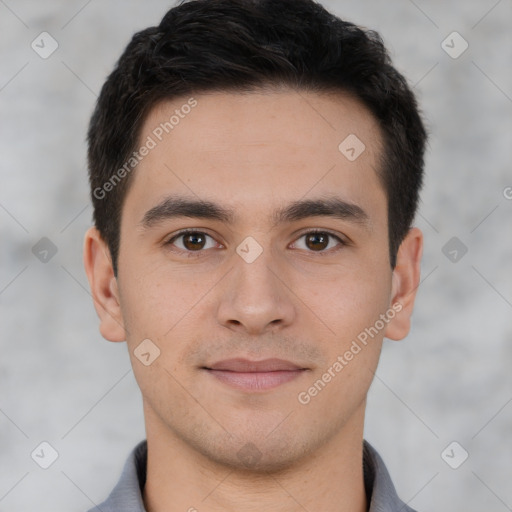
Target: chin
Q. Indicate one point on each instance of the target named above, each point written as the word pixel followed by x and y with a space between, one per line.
pixel 256 454
pixel 250 459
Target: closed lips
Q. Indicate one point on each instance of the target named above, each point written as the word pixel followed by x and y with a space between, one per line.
pixel 247 366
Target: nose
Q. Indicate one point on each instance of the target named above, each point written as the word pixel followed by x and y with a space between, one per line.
pixel 255 296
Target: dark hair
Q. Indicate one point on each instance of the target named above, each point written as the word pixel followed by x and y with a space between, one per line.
pixel 243 45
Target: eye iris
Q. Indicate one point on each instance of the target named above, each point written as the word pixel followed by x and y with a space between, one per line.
pixel 314 237
pixel 190 241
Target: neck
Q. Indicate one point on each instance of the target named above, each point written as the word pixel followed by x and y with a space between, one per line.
pixel 180 478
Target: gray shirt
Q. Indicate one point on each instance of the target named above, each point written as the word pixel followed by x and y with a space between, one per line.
pixel 127 494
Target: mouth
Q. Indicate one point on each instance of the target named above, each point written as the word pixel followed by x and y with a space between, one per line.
pixel 254 376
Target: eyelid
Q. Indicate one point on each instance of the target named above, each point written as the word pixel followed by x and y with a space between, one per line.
pixel 342 238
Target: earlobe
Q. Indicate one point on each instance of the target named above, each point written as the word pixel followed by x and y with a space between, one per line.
pixel 405 282
pixel 103 284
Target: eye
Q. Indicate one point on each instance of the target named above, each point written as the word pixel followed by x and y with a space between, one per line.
pixel 190 241
pixel 320 241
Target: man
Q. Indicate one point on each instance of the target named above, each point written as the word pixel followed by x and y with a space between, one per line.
pixel 255 168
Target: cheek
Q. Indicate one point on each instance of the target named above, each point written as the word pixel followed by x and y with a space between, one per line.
pixel 156 302
pixel 350 310
pixel 160 308
pixel 350 300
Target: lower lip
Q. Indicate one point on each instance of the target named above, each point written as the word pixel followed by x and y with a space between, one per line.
pixel 255 381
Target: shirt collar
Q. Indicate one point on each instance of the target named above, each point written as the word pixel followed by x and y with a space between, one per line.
pixel 127 494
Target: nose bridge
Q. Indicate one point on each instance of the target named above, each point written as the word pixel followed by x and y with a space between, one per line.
pixel 255 296
pixel 255 271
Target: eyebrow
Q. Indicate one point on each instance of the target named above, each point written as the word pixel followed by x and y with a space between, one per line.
pixel 179 206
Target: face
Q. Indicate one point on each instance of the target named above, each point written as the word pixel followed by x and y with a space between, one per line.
pixel 266 316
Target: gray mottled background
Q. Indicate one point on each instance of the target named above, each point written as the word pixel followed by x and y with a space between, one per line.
pixel 60 382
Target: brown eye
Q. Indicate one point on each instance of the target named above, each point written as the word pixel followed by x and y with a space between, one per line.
pixel 320 242
pixel 191 241
pixel 194 241
pixel 317 241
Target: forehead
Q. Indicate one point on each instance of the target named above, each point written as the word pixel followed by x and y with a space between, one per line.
pixel 243 147
pixel 311 119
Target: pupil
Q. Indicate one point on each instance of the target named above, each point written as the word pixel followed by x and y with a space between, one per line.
pixel 194 243
pixel 317 236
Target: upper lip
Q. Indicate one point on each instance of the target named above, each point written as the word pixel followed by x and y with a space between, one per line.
pixel 246 365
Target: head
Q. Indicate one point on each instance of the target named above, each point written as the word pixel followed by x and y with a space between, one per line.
pixel 273 116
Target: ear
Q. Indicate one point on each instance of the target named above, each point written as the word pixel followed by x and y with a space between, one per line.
pixel 405 282
pixel 103 284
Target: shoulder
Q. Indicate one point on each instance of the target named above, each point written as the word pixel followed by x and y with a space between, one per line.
pixel 127 494
pixel 379 486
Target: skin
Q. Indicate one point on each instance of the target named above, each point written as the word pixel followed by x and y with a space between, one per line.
pixel 300 300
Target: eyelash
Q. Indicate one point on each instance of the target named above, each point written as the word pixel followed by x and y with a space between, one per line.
pixel 199 253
